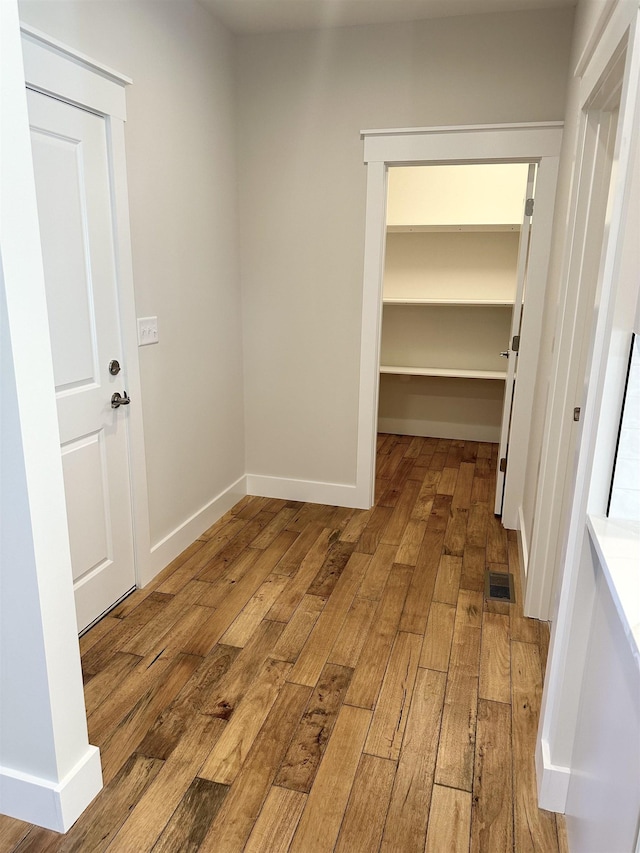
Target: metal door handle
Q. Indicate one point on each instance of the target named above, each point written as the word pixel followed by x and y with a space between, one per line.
pixel 505 354
pixel 118 400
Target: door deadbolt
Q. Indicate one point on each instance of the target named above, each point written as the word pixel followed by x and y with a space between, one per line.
pixel 118 400
pixel 114 367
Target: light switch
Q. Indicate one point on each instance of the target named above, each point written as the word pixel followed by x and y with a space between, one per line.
pixel 147 331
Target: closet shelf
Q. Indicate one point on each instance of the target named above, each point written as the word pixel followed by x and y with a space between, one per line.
pixel 451 372
pixel 489 303
pixel 483 227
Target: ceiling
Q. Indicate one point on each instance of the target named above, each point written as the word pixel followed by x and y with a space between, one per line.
pixel 262 16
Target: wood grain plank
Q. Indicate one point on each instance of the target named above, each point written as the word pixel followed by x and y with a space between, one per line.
pixel 411 541
pixel 241 629
pixel 448 579
pixel 316 650
pixel 428 490
pixel 12 832
pixel 456 534
pixel 232 826
pixel 120 743
pixel 492 811
pixel 464 484
pixel 298 628
pixel 534 829
pixel 418 601
pixel 228 691
pixel 300 764
pixel 277 524
pixel 436 646
pixel 377 573
pixel 355 527
pixel 219 583
pixel 229 753
pixel 115 640
pixel 329 572
pixel 297 587
pixel 365 815
pixel 190 821
pixel 390 716
pixel 449 821
pixel 322 816
pixel 401 514
pixel 291 561
pixel 495 659
pixel 97 632
pixel 477 522
pixel 278 819
pixel 165 733
pixel 372 663
pixel 406 823
pixel 154 809
pixel 373 532
pixel 496 541
pixel 447 481
pixel 100 687
pixel 473 565
pixel 454 766
pixel 349 642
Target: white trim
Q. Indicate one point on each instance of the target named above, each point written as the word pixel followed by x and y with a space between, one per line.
pixel 54 805
pixel 553 780
pixel 174 543
pixel 439 429
pixel 535 142
pixel 523 546
pixel 311 491
pixel 56 69
pixel 569 639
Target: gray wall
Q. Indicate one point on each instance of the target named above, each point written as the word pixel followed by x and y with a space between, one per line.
pixel 303 99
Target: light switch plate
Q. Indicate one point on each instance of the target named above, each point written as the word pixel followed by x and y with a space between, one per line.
pixel 147 331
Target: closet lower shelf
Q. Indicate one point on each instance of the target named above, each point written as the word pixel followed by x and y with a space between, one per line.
pixel 449 372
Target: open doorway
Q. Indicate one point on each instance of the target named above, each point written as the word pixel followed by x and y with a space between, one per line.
pixel 534 143
pixel 457 246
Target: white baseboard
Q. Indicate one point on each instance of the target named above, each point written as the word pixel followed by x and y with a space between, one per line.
pixel 439 429
pixel 311 491
pixel 553 780
pixel 53 805
pixel 163 552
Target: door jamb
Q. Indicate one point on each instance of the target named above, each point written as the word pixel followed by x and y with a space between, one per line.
pixel 55 69
pixel 530 142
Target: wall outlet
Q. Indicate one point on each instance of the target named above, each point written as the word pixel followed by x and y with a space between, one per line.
pixel 147 331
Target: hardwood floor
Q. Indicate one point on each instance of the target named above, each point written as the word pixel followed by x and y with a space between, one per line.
pixel 310 678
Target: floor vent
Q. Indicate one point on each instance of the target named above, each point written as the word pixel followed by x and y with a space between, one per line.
pixel 498 586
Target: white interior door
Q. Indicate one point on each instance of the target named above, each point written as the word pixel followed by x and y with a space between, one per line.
pixel 74 206
pixel 514 340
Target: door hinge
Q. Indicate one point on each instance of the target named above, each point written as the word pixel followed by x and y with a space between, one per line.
pixel 528 207
pixel 503 464
pixel 515 343
pixel 576 414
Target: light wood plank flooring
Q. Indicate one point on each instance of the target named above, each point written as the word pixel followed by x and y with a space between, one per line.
pixel 309 678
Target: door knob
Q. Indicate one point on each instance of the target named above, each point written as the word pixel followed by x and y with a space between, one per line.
pixel 118 400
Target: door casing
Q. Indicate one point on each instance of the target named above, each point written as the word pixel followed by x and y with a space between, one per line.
pixel 516 143
pixel 55 69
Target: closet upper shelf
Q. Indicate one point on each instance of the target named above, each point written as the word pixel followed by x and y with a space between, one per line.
pixel 450 372
pixel 488 303
pixel 414 228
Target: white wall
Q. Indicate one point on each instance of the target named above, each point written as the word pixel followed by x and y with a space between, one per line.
pixel 180 141
pixel 303 98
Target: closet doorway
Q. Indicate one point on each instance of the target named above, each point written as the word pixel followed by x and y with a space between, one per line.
pixel 384 150
pixel 457 246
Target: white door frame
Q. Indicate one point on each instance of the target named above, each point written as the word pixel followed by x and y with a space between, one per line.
pixel 525 143
pixel 55 69
pixel 614 66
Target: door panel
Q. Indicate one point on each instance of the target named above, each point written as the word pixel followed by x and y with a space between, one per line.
pixel 74 205
pixel 516 325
